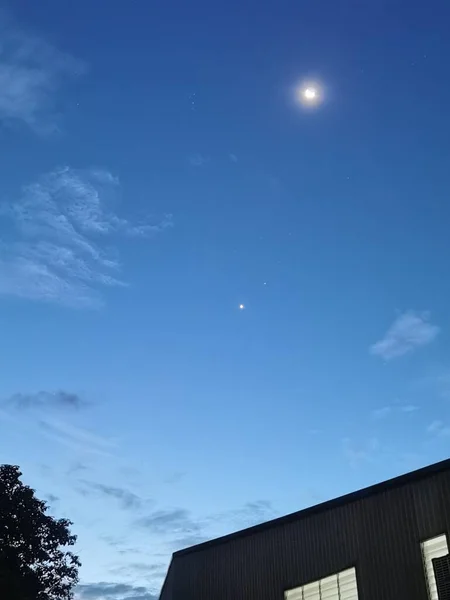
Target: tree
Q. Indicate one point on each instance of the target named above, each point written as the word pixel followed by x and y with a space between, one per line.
pixel 34 561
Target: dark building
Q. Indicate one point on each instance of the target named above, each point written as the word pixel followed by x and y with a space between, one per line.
pixel 386 542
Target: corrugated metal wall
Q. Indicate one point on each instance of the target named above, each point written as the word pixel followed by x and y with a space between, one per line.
pixel 380 535
pixel 167 590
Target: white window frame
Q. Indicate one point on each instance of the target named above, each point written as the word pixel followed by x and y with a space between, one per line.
pixel 434 547
pixel 339 586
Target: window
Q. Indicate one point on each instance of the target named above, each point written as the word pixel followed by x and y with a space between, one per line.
pixel 341 586
pixel 433 548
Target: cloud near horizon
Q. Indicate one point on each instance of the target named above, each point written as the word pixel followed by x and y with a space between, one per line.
pixel 58 252
pixel 182 529
pixel 112 591
pixel 410 331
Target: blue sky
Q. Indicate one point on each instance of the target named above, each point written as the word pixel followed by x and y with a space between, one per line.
pixel 158 170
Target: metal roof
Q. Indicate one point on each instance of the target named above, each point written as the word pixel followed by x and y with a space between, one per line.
pixel 372 490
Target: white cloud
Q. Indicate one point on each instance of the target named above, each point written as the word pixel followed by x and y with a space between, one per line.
pixel 386 411
pixel 198 160
pixel 438 428
pixel 434 426
pixel 357 455
pixel 77 438
pixel 31 74
pixel 382 413
pixel 410 331
pixel 409 408
pixel 57 252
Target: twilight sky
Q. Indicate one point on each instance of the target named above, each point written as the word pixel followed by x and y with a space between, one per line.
pixel 157 172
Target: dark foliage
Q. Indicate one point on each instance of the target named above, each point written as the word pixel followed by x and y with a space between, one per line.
pixel 34 561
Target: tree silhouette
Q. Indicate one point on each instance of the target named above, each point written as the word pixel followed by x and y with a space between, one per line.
pixel 34 565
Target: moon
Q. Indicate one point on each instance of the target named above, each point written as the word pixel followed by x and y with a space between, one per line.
pixel 310 94
pixel 241 307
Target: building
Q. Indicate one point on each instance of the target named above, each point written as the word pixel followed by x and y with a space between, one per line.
pixel 386 542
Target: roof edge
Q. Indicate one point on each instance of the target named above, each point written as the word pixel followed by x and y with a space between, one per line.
pixel 372 490
pixel 170 567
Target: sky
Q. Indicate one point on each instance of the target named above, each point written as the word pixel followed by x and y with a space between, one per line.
pixel 219 304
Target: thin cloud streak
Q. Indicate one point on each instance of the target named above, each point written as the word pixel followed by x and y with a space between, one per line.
pixel 409 408
pixel 57 251
pixel 45 400
pixel 181 529
pixel 128 500
pixel 77 438
pixel 251 513
pixel 394 410
pixel 410 331
pixel 171 521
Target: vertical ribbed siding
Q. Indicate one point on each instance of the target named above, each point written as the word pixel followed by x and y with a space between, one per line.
pixel 167 592
pixel 380 535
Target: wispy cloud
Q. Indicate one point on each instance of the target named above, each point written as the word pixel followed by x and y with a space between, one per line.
pixel 156 572
pixel 77 438
pixel 382 413
pixel 251 513
pixel 113 591
pixel 32 72
pixel 51 498
pixel 408 408
pixel 181 529
pixel 76 467
pixel 386 411
pixel 438 428
pixel 177 526
pixel 188 540
pixel 57 250
pixel 198 160
pixel 127 499
pixel 45 400
pixel 233 157
pixel 410 331
pixel 171 521
pixel 175 477
pixel 437 382
pixel 357 455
